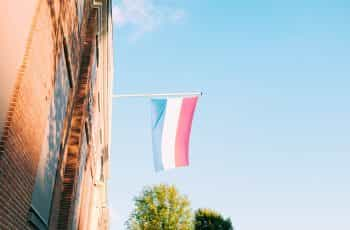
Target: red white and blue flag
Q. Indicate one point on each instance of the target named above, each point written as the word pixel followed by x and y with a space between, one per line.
pixel 171 128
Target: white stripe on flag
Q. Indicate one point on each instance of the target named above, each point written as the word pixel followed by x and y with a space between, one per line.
pixel 171 120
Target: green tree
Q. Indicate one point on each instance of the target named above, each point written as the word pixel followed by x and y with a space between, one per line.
pixel 160 207
pixel 207 219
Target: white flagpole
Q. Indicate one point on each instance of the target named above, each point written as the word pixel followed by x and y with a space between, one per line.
pixel 158 95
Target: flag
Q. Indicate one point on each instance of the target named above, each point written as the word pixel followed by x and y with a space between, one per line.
pixel 171 127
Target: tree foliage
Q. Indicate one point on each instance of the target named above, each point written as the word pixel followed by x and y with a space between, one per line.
pixel 160 207
pixel 207 219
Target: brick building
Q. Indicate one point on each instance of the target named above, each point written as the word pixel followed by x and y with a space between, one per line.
pixel 55 112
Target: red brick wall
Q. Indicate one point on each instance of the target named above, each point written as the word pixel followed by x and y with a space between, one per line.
pixel 27 119
pixel 21 143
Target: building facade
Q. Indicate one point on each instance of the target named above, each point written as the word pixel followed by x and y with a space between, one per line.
pixel 55 113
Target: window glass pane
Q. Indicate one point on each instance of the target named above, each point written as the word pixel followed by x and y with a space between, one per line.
pixel 46 173
pixel 80 9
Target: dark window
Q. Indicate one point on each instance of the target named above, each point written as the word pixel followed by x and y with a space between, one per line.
pixel 87 131
pixel 101 177
pixel 97 51
pixel 100 136
pixel 66 55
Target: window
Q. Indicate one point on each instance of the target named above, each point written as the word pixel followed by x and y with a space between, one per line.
pixel 100 136
pixel 51 148
pixel 97 51
pixel 87 131
pixel 80 11
pixel 101 176
pixel 66 56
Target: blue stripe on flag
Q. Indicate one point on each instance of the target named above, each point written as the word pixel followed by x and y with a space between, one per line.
pixel 158 107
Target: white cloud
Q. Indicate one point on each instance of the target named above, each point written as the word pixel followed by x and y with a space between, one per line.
pixel 145 15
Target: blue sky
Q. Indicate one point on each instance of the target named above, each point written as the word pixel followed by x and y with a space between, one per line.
pixel 270 144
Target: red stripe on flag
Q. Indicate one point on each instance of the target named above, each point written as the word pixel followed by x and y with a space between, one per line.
pixel 184 130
